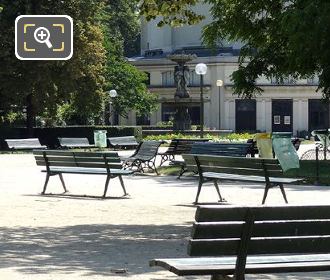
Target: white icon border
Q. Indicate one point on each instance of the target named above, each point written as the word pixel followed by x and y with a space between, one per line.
pixel 46 16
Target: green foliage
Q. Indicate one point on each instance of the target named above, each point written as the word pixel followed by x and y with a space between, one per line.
pixel 165 124
pixel 120 26
pixel 51 83
pixel 282 38
pixel 123 21
pixel 130 85
pixel 232 137
pixel 174 12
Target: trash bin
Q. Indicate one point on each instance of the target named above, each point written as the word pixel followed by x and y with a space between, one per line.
pixel 100 138
pixel 285 151
pixel 264 145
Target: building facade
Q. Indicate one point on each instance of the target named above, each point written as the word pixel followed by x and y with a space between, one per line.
pixel 292 106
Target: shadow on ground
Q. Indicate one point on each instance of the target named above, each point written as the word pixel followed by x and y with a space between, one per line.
pixel 95 249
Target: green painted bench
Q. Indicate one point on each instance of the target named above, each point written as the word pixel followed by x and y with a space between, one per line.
pixel 24 144
pixel 143 157
pixel 254 170
pixel 74 142
pixel 123 142
pixel 93 163
pixel 214 148
pixel 228 240
pixel 179 146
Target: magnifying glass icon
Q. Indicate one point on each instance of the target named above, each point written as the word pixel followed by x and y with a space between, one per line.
pixel 41 35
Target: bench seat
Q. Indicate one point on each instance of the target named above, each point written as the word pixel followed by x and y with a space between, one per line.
pixel 74 142
pixel 239 240
pixel 24 144
pixel 86 170
pixel 214 148
pixel 216 168
pixel 250 178
pixel 254 264
pixel 123 142
pixel 58 162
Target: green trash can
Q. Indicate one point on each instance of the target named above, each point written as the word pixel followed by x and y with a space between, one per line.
pixel 100 138
pixel 285 151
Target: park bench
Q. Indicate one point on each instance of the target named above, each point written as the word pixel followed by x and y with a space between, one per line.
pixel 254 170
pixel 24 144
pixel 74 142
pixel 178 146
pixel 229 240
pixel 123 141
pixel 143 157
pixel 69 162
pixel 213 148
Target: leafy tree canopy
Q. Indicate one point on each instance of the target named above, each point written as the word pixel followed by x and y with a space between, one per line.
pixel 76 89
pixel 281 38
pixel 45 85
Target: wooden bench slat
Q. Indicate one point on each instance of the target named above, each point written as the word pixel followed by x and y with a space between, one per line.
pixel 85 170
pixel 250 178
pixel 78 159
pixel 279 213
pixel 273 245
pixel 255 264
pixel 209 230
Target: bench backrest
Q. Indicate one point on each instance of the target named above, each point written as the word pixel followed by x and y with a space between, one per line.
pixel 28 143
pixel 49 158
pixel 228 230
pixel 122 140
pixel 147 149
pixel 233 165
pixel 76 142
pixel 221 149
pixel 182 146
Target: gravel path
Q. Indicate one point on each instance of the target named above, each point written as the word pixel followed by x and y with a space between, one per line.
pixel 84 237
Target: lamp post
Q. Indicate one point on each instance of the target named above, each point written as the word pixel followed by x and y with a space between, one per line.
pixel 201 70
pixel 112 94
pixel 219 85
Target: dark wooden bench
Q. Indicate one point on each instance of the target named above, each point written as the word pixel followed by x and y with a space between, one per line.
pixel 94 163
pixel 24 144
pixel 254 170
pixel 178 146
pixel 122 142
pixel 214 148
pixel 229 240
pixel 143 157
pixel 74 142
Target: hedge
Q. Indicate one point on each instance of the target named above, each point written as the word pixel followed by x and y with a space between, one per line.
pixel 48 135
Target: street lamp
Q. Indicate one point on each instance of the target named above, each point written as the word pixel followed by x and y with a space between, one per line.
pixel 219 85
pixel 201 70
pixel 112 94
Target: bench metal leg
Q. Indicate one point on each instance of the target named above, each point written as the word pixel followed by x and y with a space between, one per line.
pixel 46 183
pixel 283 192
pixel 199 188
pixel 218 190
pixel 182 171
pixel 122 184
pixel 106 186
pixel 62 181
pixel 267 187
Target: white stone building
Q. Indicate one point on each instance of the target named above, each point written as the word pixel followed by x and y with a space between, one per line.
pixel 293 106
